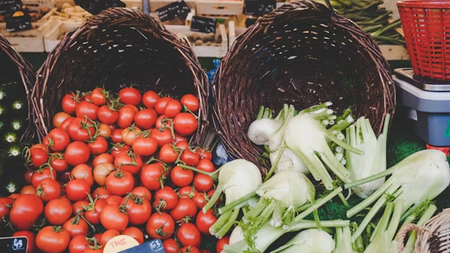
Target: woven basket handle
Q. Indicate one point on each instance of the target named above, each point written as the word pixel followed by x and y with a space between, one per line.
pixel 402 235
pixel 333 12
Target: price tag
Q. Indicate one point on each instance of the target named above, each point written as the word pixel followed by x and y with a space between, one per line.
pixel 18 22
pixel 259 7
pixel 96 6
pixel 173 11
pixel 10 6
pixel 154 246
pixel 13 244
pixel 120 243
pixel 203 24
pixel 447 132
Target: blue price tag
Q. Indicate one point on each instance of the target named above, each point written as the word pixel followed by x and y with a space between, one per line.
pixel 154 246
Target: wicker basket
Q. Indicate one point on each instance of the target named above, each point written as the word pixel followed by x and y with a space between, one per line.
pixel 303 54
pixel 116 48
pixel 432 237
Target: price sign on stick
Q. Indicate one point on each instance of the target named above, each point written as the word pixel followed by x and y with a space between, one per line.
pixel 203 24
pixel 13 244
pixel 155 246
pixel 20 22
pixel 173 11
pixel 259 7
pixel 120 243
pixel 10 6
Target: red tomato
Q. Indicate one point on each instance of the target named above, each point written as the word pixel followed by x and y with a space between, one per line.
pixel 165 199
pixel 161 103
pixel 119 182
pixel 102 158
pixel 137 208
pixel 185 209
pixel 187 192
pixel 134 232
pixel 205 165
pixel 185 124
pixel 58 211
pixel 58 163
pixel 145 119
pixel 52 239
pixel 116 135
pixel 5 204
pixel 87 109
pixel 205 220
pixel 160 226
pixel 188 235
pixel 76 226
pixel 179 138
pixel 162 122
pixel 38 157
pixel 204 154
pixel 93 211
pixel 87 96
pixel 57 139
pixel 104 131
pixel 168 153
pixel 181 177
pixel 130 162
pixel 130 96
pixel 112 218
pixel 92 249
pixel 101 171
pixel 78 207
pixel 66 122
pixel 80 129
pixel 98 96
pixel 28 189
pixel 189 249
pixel 162 137
pixel 25 211
pixel 69 103
pixel 83 171
pixel 98 146
pixel 77 153
pixel 171 246
pixel 27 175
pixel 126 117
pixel 150 98
pixel 144 145
pixel 48 189
pixel 190 158
pixel 152 176
pixel 39 145
pixel 203 182
pixel 201 199
pixel 107 115
pixel 129 134
pixel 119 149
pixel 222 242
pixel 114 200
pixel 142 192
pixel 59 118
pixel 108 235
pixel 101 193
pixel 31 242
pixel 42 174
pixel 78 244
pixel 172 109
pixel 191 102
pixel 77 189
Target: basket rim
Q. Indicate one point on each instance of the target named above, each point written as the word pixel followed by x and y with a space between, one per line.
pixel 443 4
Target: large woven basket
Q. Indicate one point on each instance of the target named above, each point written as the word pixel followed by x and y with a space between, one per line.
pixel 432 237
pixel 116 48
pixel 302 53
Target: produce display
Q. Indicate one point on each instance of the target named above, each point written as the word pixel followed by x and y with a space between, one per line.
pixel 34 14
pixel 202 39
pixel 71 13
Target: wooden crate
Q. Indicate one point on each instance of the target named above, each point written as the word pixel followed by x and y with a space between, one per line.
pixel 53 36
pixel 219 7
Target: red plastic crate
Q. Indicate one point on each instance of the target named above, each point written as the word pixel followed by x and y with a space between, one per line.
pixel 446 150
pixel 426 25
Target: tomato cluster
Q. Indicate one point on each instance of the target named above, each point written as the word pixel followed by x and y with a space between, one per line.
pixel 114 166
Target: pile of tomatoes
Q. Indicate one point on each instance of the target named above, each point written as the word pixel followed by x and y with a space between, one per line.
pixel 116 165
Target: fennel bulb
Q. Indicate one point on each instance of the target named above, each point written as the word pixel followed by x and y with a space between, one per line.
pixel 418 178
pixel 260 130
pixel 307 138
pixel 361 136
pixel 309 241
pixel 281 195
pixel 288 160
pixel 238 179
